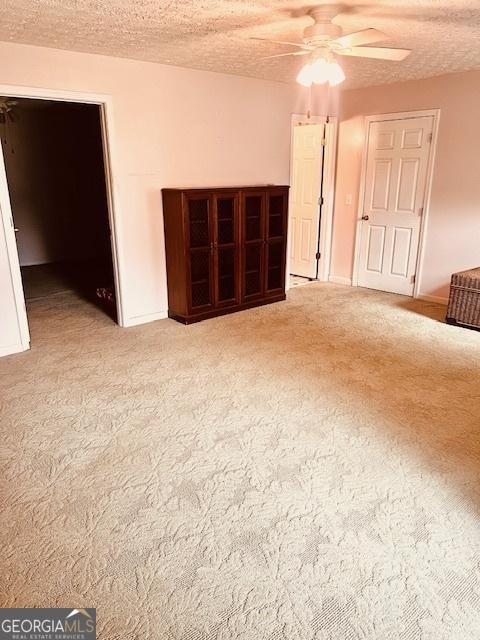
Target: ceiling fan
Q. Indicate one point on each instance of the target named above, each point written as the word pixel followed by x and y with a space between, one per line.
pixel 6 109
pixel 323 39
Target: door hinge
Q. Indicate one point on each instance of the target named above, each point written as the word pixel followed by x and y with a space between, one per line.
pixel 413 279
pixel 324 142
pixel 420 211
pixel 430 137
pixel 318 255
pixel 321 200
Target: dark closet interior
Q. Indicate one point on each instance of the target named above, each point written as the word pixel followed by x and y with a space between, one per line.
pixel 54 163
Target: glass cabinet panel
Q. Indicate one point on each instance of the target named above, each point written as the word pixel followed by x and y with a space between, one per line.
pixel 227 282
pixel 253 268
pixel 275 266
pixel 200 271
pixel 275 216
pixel 226 274
pixel 253 217
pixel 226 220
pixel 198 215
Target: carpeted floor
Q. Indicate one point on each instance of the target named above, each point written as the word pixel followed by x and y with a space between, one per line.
pixel 306 470
pixel 78 278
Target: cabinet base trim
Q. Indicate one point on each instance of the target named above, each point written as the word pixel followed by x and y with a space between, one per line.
pixel 221 312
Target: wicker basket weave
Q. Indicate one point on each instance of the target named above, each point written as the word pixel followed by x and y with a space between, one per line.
pixel 464 301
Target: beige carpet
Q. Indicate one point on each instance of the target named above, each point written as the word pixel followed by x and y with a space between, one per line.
pixel 306 470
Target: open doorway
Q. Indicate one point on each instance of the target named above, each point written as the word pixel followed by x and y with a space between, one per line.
pixel 55 169
pixel 312 173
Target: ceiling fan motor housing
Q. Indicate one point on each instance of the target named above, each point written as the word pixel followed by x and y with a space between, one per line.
pixel 323 28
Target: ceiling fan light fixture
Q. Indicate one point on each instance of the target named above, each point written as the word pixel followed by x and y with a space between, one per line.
pixel 321 71
pixel 336 75
pixel 322 40
pixel 305 77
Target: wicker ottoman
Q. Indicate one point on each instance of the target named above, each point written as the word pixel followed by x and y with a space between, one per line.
pixel 464 303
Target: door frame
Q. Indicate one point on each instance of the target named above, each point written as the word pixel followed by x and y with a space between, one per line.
pixel 328 192
pixel 14 265
pixel 384 117
pixel 105 104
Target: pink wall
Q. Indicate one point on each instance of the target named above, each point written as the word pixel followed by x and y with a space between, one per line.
pixel 178 127
pixel 453 233
pixel 172 127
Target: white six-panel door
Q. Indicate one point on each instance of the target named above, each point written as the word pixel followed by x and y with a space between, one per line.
pixel 398 154
pixel 305 194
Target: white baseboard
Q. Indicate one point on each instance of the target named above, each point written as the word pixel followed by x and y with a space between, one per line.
pixel 429 298
pixel 149 317
pixel 340 280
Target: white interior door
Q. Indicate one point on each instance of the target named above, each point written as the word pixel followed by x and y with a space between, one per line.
pixel 305 198
pixel 398 154
pixel 14 334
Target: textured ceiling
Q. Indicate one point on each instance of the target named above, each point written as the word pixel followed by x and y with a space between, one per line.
pixel 214 35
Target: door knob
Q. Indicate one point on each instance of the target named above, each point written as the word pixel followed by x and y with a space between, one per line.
pixel 365 218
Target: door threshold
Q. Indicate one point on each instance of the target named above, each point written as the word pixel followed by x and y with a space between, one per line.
pixel 300 281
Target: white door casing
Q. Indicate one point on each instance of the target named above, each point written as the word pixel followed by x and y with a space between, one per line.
pixel 306 184
pixel 14 333
pixel 14 336
pixel 398 158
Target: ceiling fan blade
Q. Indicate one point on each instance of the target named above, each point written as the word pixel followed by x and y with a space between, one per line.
pixel 367 36
pixel 291 53
pixel 380 53
pixel 292 44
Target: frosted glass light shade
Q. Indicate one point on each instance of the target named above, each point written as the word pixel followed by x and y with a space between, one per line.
pixel 319 72
pixel 305 77
pixel 335 74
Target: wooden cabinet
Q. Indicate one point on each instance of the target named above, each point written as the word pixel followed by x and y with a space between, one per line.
pixel 225 249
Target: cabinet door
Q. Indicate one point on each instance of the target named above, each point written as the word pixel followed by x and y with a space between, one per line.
pixel 226 243
pixel 200 252
pixel 276 232
pixel 253 237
